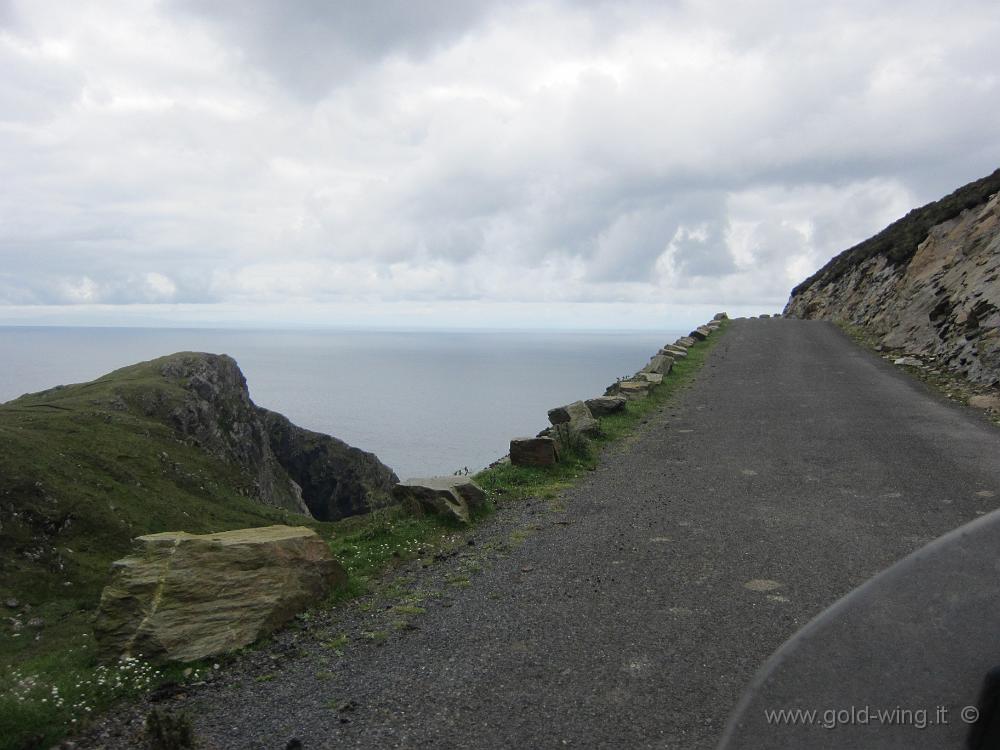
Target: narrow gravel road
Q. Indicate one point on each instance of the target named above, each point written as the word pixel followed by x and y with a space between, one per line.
pixel 795 467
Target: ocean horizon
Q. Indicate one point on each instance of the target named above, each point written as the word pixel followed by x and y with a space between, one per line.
pixel 426 402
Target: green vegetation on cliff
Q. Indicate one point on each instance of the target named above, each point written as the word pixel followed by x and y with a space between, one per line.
pixel 898 242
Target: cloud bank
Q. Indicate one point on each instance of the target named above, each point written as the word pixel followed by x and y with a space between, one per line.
pixel 603 156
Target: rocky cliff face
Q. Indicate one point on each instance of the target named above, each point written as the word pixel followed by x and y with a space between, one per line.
pixel 336 479
pixel 927 285
pixel 219 416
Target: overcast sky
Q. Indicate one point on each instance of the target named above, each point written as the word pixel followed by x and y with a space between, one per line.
pixel 398 162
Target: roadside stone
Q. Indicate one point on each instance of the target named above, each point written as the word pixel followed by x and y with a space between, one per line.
pixel 653 378
pixel 537 451
pixel 633 390
pixel 659 364
pixel 686 341
pixel 183 597
pixel 908 362
pixel 698 335
pixel 983 401
pixel 673 351
pixel 602 406
pixel 721 316
pixel 452 497
pixel 577 416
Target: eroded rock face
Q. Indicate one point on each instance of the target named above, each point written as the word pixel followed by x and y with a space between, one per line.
pixel 941 302
pixel 336 479
pixel 219 416
pixel 183 597
pixel 455 497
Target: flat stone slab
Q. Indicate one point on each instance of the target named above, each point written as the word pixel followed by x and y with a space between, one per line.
pixel 453 497
pixel 676 352
pixel 660 364
pixel 720 316
pixel 653 378
pixel 603 406
pixel 919 637
pixel 686 341
pixel 533 451
pixel 182 597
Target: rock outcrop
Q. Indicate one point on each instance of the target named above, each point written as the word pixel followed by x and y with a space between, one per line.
pixel 204 397
pixel 183 597
pixel 456 498
pixel 336 479
pixel 210 406
pixel 929 284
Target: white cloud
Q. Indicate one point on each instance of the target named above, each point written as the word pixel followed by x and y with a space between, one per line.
pixel 490 153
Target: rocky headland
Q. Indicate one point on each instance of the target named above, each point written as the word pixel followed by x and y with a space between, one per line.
pixel 926 286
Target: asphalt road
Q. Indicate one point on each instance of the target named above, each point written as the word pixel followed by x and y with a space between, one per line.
pixel 796 467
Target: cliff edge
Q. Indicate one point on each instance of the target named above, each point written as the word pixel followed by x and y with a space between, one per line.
pixel 929 284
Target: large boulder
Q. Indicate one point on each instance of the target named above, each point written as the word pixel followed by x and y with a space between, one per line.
pixel 577 416
pixel 182 597
pixel 660 364
pixel 533 451
pixel 454 497
pixel 686 341
pixel 337 480
pixel 720 316
pixel 603 406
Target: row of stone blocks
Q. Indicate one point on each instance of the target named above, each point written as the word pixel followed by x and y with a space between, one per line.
pixel 182 597
pixel 581 417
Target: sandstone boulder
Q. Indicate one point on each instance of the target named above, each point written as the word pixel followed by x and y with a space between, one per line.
pixel 183 597
pixel 453 497
pixel 533 451
pixel 673 351
pixel 653 378
pixel 577 416
pixel 659 364
pixel 720 316
pixel 985 402
pixel 686 341
pixel 698 335
pixel 602 406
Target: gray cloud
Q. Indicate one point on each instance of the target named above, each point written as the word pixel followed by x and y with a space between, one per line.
pixel 259 153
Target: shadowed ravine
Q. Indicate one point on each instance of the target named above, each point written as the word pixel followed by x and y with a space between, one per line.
pixel 633 612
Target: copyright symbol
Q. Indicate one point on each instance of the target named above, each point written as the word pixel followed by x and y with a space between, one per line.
pixel 970 714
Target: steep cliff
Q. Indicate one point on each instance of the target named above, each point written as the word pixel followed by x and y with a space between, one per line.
pixel 929 284
pixel 336 479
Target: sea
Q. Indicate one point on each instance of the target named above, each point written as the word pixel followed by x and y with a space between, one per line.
pixel 426 403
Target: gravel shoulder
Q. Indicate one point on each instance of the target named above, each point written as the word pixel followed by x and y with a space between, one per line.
pixel 632 610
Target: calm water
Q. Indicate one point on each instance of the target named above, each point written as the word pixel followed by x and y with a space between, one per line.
pixel 425 403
